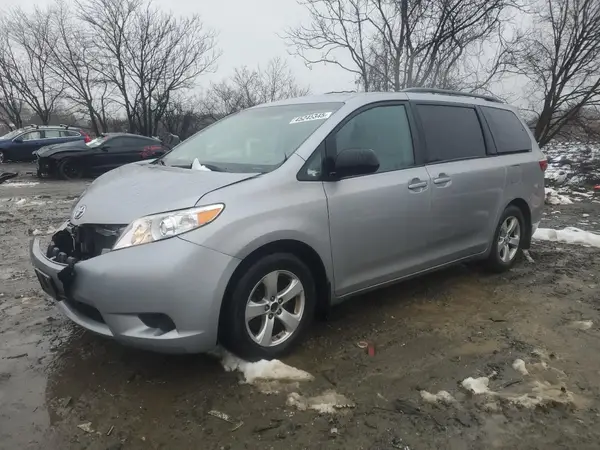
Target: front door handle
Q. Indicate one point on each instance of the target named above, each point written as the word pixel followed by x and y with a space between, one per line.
pixel 417 185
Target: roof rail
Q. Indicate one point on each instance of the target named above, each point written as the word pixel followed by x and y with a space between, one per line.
pixel 419 90
pixel 341 92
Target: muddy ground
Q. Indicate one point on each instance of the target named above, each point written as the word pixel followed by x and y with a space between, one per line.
pixel 429 334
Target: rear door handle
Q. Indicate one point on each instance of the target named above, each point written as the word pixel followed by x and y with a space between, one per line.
pixel 442 179
pixel 417 184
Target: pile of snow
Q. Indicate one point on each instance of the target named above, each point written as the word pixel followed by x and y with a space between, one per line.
pixel 476 385
pixel 569 235
pixel 263 370
pixel 519 366
pixel 573 163
pixel 554 198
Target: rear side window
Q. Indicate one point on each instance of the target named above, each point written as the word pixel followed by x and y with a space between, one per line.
pixel 451 132
pixel 49 134
pixel 508 131
pixel 69 133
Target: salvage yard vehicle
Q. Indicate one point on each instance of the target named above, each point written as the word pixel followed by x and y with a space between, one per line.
pixel 20 145
pixel 108 151
pixel 246 230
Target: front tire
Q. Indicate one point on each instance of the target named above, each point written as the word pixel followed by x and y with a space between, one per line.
pixel 270 308
pixel 69 169
pixel 508 239
pixel 2 157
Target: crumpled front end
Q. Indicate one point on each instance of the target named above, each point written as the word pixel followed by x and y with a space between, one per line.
pixel 164 296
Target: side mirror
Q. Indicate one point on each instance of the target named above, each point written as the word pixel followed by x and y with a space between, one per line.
pixel 355 161
pixel 18 140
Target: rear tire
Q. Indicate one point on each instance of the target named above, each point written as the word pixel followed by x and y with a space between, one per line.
pixel 259 321
pixel 69 169
pixel 508 240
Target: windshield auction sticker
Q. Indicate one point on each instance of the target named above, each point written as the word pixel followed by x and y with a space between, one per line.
pixel 309 117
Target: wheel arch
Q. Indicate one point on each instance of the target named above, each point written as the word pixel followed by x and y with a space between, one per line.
pixel 526 211
pixel 302 251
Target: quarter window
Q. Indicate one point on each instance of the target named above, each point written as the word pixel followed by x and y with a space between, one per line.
pixel 69 133
pixel 451 132
pixel 383 129
pixel 508 131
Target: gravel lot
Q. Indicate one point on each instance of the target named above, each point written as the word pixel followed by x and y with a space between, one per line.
pixel 64 388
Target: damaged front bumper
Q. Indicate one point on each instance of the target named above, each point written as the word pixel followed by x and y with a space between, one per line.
pixel 165 296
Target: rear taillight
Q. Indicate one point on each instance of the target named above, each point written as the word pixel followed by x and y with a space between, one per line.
pixel 543 164
pixel 86 138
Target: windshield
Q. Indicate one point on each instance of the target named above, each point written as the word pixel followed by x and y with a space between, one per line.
pixel 12 134
pixel 254 140
pixel 97 142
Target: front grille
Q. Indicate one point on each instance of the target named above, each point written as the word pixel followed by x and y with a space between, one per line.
pixel 81 242
pixel 93 240
pixel 85 310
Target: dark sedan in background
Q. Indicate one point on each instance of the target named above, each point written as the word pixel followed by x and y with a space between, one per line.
pixel 108 151
pixel 19 145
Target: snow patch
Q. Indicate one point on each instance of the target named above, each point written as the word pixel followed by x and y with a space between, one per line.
pixel 543 394
pixel 569 235
pixel 443 397
pixel 554 198
pixel 582 324
pixel 329 402
pixel 20 184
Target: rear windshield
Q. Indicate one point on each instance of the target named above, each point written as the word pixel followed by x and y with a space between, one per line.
pixel 254 140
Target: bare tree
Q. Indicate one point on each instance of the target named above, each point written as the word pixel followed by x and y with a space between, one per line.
pixel 560 57
pixel 335 25
pixel 11 105
pixel 393 44
pixel 251 87
pixel 148 55
pixel 183 117
pixel 26 58
pixel 75 61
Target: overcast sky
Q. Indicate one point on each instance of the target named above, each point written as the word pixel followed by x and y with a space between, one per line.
pixel 248 36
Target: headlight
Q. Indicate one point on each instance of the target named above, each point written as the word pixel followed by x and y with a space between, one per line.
pixel 162 226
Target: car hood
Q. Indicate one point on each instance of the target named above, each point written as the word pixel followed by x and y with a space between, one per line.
pixel 50 150
pixel 136 190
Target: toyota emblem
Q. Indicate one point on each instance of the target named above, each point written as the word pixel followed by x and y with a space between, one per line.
pixel 79 212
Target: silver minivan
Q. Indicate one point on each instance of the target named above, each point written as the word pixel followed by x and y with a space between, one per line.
pixel 245 231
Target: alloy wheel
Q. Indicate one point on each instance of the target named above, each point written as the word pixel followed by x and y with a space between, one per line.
pixel 275 308
pixel 509 239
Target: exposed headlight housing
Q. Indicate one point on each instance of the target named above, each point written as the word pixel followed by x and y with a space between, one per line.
pixel 165 225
